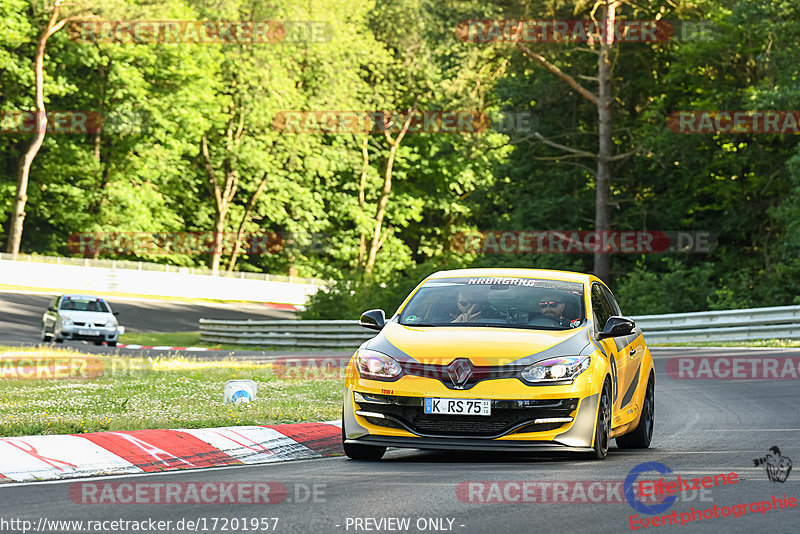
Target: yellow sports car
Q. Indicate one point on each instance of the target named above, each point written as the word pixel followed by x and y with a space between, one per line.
pixel 501 359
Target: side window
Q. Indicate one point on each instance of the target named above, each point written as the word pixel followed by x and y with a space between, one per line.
pixel 600 307
pixel 611 302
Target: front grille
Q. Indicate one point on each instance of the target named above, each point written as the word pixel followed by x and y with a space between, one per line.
pixel 507 415
pixel 479 373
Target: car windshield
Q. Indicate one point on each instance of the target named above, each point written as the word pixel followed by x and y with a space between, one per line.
pixel 81 304
pixel 501 302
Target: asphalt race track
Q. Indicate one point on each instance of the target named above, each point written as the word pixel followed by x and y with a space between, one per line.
pixel 703 428
pixel 21 316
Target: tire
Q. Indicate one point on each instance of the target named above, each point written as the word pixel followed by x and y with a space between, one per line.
pixel 643 433
pixel 58 339
pixel 361 452
pixel 602 433
pixel 112 343
pixel 45 336
pixel 98 342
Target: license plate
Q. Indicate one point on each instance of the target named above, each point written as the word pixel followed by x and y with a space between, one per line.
pixel 458 406
pixel 87 332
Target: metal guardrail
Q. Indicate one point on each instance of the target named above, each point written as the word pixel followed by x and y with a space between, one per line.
pixel 781 322
pixel 291 333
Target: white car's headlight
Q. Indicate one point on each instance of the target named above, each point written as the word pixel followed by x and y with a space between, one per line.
pixel 66 321
pixel 111 322
pixel 556 369
pixel 371 364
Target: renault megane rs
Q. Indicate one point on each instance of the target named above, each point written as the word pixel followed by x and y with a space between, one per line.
pixel 501 359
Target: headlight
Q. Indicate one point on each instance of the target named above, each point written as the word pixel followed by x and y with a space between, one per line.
pixel 66 321
pixel 110 323
pixel 371 364
pixel 556 369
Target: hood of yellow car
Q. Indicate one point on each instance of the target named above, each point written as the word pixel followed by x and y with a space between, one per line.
pixel 482 345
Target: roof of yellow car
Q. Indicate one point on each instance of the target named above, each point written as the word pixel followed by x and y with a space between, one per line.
pixel 547 274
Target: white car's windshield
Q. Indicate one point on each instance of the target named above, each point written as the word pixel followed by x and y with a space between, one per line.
pixel 82 304
pixel 501 302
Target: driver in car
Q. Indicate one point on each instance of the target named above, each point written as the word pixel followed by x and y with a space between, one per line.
pixel 473 307
pixel 469 308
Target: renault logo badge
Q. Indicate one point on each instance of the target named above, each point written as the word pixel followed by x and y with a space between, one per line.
pixel 460 371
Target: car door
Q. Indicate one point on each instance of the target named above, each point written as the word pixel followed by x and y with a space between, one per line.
pixel 629 357
pixel 601 311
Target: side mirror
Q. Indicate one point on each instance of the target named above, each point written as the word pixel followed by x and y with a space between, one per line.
pixel 617 326
pixel 115 313
pixel 373 319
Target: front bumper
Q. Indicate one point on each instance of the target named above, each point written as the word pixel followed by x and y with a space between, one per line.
pixel 404 426
pixel 508 416
pixel 543 417
pixel 75 332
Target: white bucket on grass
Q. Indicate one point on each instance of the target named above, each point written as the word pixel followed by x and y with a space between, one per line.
pixel 239 391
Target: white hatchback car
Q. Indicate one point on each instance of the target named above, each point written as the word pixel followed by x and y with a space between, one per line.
pixel 81 317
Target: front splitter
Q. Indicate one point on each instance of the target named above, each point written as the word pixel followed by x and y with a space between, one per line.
pixel 465 444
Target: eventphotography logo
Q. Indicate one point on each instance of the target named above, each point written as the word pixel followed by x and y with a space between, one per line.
pixel 776 465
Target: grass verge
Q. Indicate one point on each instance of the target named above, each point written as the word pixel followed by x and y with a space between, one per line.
pixel 169 339
pixel 136 393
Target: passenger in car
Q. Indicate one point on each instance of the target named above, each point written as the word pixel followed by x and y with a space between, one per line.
pixel 552 306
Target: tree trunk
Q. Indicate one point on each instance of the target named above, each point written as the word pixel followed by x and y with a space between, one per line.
pixel 603 101
pixel 222 195
pixel 394 144
pixel 245 217
pixel 18 212
pixel 602 258
pixel 376 241
pixel 362 197
pixel 219 227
